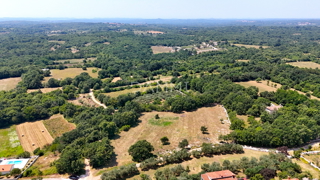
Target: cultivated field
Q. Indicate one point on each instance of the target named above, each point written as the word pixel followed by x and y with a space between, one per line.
pixel 161 49
pixel 262 86
pixel 307 64
pixel 9 83
pixel 57 125
pixel 195 164
pixel 33 135
pixel 250 46
pixel 70 72
pixel 133 90
pixel 181 126
pixel 9 142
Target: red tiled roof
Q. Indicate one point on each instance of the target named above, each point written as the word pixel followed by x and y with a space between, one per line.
pixel 291 179
pixel 225 175
pixel 6 167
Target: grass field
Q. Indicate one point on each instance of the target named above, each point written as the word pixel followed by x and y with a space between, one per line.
pixel 70 72
pixel 33 135
pixel 60 42
pixel 307 64
pixel 262 86
pixel 10 144
pixel 9 83
pixel 57 125
pixel 195 164
pixel 133 90
pixel 183 126
pixel 307 167
pixel 161 49
pixel 250 46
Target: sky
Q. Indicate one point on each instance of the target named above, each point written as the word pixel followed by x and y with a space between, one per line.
pixel 164 9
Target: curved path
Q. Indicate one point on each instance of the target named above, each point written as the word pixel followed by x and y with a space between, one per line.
pixel 95 100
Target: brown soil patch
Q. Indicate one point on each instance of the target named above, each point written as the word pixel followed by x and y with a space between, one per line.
pixel 57 125
pixel 161 49
pixel 307 64
pixel 107 43
pixel 9 83
pixel 115 79
pixel 44 90
pixel 187 126
pixel 74 50
pixel 155 32
pixel 242 60
pixel 84 100
pixel 33 135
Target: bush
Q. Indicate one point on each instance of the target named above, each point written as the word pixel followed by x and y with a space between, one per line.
pixel 125 128
pixel 25 154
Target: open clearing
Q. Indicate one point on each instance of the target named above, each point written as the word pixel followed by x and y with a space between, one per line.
pixel 115 79
pixel 306 64
pixel 183 126
pixel 133 90
pixel 44 90
pixel 9 83
pixel 70 72
pixel 195 164
pixel 242 60
pixel 60 42
pixel 33 135
pixel 250 46
pixel 161 49
pixel 262 86
pixel 84 100
pixel 57 125
pixel 10 144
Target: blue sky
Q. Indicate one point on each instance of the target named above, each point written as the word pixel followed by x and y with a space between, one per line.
pixel 150 9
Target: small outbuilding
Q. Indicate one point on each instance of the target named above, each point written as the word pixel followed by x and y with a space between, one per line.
pixel 273 108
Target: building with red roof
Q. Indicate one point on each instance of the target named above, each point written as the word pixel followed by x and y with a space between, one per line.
pixel 225 175
pixel 6 168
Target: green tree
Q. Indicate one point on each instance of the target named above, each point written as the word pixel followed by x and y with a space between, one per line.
pixel 141 151
pixel 15 172
pixel 165 140
pixel 204 129
pixel 258 80
pixel 183 143
pixel 25 154
pixel 157 116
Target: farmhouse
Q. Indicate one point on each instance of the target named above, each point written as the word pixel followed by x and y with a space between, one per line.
pixel 223 175
pixel 6 168
pixel 271 109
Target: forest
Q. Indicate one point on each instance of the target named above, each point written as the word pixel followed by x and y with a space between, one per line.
pixel 30 51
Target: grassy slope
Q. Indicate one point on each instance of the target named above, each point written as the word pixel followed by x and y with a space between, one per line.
pixel 9 142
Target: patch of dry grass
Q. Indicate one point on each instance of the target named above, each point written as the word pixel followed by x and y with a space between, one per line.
pixel 161 49
pixel 263 86
pixel 115 79
pixel 44 90
pixel 9 83
pixel 184 126
pixel 60 42
pixel 70 72
pixel 133 90
pixel 57 125
pixel 242 60
pixel 305 64
pixel 250 46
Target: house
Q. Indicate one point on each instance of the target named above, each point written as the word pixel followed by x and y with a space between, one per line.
pixel 6 168
pixel 291 178
pixel 272 108
pixel 223 175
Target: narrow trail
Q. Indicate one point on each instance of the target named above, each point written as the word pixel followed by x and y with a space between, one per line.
pixel 95 100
